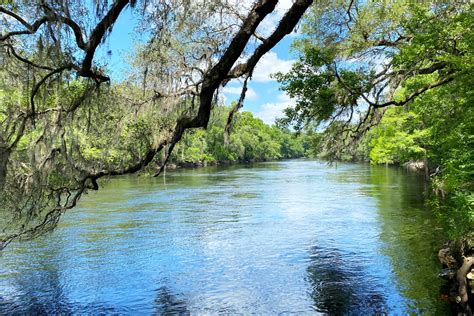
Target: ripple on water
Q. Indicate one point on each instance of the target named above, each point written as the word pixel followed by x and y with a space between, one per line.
pixel 280 237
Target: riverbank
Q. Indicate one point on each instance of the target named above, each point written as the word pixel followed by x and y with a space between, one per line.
pixel 457 258
pixel 170 166
pixel 457 255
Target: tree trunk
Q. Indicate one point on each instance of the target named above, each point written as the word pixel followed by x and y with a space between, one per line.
pixel 4 155
pixel 463 287
pixel 425 166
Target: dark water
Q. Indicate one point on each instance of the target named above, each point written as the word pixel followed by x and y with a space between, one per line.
pixel 293 236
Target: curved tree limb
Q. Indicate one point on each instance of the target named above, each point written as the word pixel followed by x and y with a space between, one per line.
pixel 30 28
pixel 36 88
pixel 416 93
pixel 286 26
pixel 88 47
pixel 237 106
pixel 98 33
pixel 11 50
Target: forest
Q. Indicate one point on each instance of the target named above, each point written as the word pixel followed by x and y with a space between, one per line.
pixel 380 82
pixel 251 140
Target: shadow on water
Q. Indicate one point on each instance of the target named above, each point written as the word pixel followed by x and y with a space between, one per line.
pixel 338 286
pixel 46 279
pixel 169 304
pixel 40 290
pixel 409 237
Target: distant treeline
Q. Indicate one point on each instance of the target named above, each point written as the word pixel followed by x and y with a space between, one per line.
pixel 250 140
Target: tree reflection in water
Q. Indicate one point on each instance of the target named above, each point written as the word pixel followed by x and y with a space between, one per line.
pixel 168 303
pixel 339 286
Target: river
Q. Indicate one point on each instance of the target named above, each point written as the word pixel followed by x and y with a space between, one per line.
pixel 295 236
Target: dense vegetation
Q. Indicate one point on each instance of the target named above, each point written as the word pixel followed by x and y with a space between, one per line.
pixel 437 129
pixel 251 140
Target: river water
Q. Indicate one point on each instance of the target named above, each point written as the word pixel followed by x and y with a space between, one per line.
pixel 293 236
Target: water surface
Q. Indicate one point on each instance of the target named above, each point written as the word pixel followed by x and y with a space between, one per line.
pixel 292 236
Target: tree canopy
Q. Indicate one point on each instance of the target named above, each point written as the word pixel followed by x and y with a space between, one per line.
pixel 64 124
pixel 358 59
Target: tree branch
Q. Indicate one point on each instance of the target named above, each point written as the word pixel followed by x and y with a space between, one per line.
pixel 234 110
pixel 24 60
pixel 416 93
pixel 98 33
pixel 286 26
pixel 30 28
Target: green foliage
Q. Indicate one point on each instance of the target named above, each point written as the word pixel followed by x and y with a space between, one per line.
pixel 456 213
pixel 251 140
pixel 398 138
pixel 437 126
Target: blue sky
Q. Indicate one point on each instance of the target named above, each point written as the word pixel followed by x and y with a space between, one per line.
pixel 263 97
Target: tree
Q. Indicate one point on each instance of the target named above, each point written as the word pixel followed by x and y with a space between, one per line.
pixel 357 56
pixel 62 129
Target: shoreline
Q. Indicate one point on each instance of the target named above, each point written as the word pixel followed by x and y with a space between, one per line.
pixel 202 164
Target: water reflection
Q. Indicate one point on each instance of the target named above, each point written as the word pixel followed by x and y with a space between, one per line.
pixel 168 304
pixel 411 237
pixel 294 236
pixel 340 286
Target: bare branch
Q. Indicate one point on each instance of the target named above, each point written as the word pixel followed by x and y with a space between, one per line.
pixel 30 28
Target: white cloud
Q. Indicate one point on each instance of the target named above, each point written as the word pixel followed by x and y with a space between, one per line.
pixel 271 111
pixel 285 98
pixel 250 94
pixel 283 6
pixel 270 64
